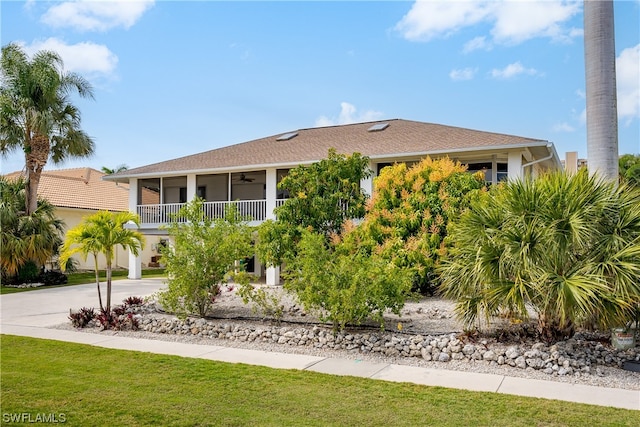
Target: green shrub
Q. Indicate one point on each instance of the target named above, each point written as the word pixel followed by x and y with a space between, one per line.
pixel 345 287
pixel 407 218
pixel 567 246
pixel 201 255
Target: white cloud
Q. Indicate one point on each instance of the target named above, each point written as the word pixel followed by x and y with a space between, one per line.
pixel 429 19
pixel 513 70
pixel 518 21
pixel 96 15
pixel 563 127
pixel 463 74
pixel 88 59
pixel 477 43
pixel 512 21
pixel 628 83
pixel 349 114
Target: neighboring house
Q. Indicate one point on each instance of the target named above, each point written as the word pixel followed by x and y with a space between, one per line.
pixel 80 192
pixel 248 173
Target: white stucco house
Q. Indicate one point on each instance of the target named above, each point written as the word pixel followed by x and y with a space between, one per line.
pixel 248 173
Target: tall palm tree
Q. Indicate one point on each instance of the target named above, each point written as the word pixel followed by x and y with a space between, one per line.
pixel 34 237
pixel 36 114
pixel 600 72
pixel 102 233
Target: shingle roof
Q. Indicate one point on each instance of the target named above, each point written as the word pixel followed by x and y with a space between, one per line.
pixel 399 137
pixel 81 188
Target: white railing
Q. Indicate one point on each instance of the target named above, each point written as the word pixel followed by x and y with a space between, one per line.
pixel 252 210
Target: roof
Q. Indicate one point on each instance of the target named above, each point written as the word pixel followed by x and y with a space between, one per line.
pixel 81 188
pixel 400 137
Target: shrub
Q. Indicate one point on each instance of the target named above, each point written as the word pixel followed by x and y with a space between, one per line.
pixel 202 254
pixel 53 278
pixel 567 246
pixel 345 287
pixel 81 318
pixel 407 218
pixel 264 302
pixel 133 301
pixel 28 272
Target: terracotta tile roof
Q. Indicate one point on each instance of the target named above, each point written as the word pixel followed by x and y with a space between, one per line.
pixel 398 138
pixel 81 188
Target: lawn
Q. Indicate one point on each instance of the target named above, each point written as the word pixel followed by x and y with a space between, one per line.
pixel 89 277
pixel 95 386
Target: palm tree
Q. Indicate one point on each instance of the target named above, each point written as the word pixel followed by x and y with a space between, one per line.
pixel 567 245
pixel 101 233
pixel 600 72
pixel 36 115
pixel 119 168
pixel 34 237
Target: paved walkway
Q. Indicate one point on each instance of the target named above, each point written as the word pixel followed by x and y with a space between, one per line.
pixel 33 313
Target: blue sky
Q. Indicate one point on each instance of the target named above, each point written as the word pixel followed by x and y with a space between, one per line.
pixel 178 78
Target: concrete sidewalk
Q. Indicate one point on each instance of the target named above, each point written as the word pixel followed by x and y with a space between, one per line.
pixel 32 313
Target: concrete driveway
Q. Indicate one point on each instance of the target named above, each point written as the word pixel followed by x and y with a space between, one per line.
pixel 50 306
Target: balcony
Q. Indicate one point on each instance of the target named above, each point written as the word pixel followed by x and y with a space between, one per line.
pixel 159 214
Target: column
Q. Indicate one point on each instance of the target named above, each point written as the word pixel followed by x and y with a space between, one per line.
pixel 271 192
pixel 514 165
pixel 191 186
pixel 135 262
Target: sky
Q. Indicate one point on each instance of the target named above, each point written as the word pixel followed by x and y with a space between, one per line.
pixel 174 78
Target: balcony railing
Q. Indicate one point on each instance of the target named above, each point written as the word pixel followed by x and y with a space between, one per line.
pixel 253 210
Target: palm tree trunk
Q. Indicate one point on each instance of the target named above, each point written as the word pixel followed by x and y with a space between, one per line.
pixel 108 308
pixel 600 72
pixel 36 156
pixel 95 258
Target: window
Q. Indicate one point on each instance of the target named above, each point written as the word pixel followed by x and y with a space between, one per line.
pixel 183 195
pixel 202 192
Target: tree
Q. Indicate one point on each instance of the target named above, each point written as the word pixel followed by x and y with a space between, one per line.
pixel 32 237
pixel 566 245
pixel 102 233
pixel 600 72
pixel 36 115
pixel 323 196
pixel 201 255
pixel 630 168
pixel 326 193
pixel 119 168
pixel 407 218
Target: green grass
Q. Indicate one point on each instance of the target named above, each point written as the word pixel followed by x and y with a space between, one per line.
pixel 89 277
pixel 94 386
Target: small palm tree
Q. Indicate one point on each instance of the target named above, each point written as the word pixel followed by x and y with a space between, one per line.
pixel 119 168
pixel 568 246
pixel 36 115
pixel 102 233
pixel 35 237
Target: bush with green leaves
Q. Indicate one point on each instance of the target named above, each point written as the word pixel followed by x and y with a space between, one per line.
pixel 323 196
pixel 343 286
pixel 201 255
pixel 407 217
pixel 568 246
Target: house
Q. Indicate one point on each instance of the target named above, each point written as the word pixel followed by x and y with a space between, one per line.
pixel 248 173
pixel 80 192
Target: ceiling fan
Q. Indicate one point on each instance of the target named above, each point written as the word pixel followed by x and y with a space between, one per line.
pixel 243 178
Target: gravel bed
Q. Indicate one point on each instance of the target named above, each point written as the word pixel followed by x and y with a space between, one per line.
pixel 431 317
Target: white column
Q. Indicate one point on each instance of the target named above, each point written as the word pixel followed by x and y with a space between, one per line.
pixel 271 192
pixel 273 273
pixel 135 262
pixel 514 165
pixel 191 186
pixel 367 183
